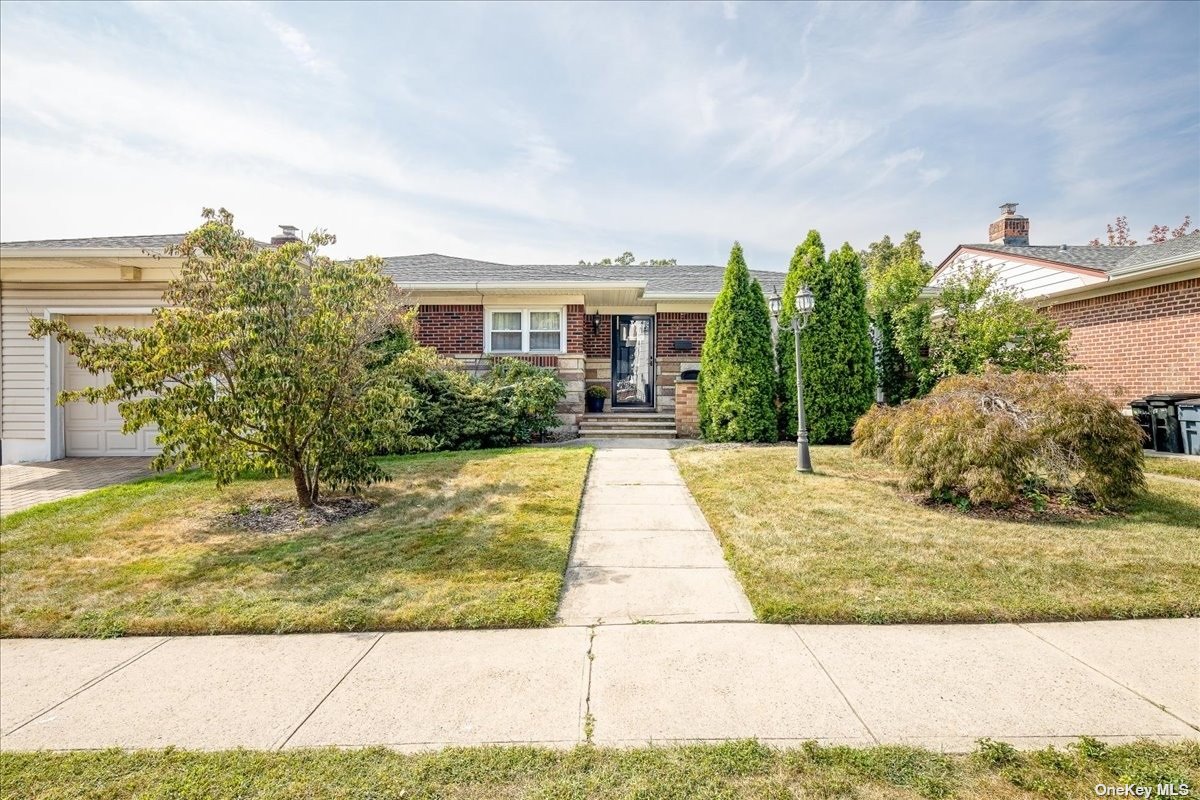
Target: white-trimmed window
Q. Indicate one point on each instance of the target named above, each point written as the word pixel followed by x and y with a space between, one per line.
pixel 525 330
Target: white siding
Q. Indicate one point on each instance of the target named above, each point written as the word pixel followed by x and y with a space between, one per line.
pixel 1032 280
pixel 22 359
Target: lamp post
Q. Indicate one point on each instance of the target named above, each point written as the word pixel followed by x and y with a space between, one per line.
pixel 804 310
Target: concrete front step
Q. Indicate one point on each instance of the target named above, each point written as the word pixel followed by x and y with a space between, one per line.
pixel 629 423
pixel 628 415
pixel 635 433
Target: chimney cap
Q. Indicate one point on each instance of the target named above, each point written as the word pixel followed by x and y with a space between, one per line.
pixel 1009 208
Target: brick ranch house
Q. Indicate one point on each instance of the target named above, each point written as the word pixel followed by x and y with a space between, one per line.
pixel 634 330
pixel 1134 312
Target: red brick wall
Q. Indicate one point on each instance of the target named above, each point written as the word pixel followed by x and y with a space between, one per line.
pixel 451 329
pixel 1139 342
pixel 576 326
pixel 598 344
pixel 675 325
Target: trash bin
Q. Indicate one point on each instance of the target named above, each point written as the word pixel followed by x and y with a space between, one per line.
pixel 1164 420
pixel 1189 425
pixel 1141 413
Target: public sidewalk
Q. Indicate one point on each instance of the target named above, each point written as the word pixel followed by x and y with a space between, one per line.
pixel 941 686
pixel 643 551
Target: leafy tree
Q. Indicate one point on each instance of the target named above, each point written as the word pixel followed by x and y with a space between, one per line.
pixel 835 348
pixel 895 276
pixel 261 359
pixel 627 258
pixel 1118 233
pixel 808 253
pixel 977 323
pixel 737 375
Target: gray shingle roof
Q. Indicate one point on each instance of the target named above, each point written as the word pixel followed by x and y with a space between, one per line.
pixel 148 242
pixel 1105 258
pixel 433 268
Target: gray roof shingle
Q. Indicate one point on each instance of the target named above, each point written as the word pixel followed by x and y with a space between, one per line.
pixel 148 242
pixel 1105 258
pixel 433 268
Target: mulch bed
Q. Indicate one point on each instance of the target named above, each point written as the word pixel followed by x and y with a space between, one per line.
pixel 283 517
pixel 1023 510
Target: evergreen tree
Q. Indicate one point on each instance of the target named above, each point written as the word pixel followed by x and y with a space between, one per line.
pixel 836 350
pixel 737 375
pixel 895 275
pixel 811 251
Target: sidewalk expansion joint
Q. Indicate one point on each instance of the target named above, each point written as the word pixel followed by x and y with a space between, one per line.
pixel 845 699
pixel 280 744
pixel 1105 675
pixel 91 683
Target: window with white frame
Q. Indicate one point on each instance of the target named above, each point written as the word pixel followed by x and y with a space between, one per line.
pixel 525 330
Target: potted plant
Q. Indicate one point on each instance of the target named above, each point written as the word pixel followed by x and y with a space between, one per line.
pixel 594 398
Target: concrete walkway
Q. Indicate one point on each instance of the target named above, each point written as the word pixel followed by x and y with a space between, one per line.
pixel 941 686
pixel 643 551
pixel 26 485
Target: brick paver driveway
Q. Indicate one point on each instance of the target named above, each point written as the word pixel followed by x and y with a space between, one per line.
pixel 25 485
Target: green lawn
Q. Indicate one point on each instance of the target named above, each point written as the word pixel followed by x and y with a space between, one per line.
pixel 744 769
pixel 1179 467
pixel 459 540
pixel 843 546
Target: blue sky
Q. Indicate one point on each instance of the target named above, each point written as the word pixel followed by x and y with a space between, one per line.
pixel 546 133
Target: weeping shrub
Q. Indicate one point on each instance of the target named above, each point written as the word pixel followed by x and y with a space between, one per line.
pixel 994 437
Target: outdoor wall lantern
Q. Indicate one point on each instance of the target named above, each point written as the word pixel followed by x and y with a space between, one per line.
pixel 595 319
pixel 805 303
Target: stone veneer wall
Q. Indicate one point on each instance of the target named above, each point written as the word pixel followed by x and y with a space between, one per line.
pixel 1139 342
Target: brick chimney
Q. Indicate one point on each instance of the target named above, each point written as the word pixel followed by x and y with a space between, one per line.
pixel 287 233
pixel 1011 228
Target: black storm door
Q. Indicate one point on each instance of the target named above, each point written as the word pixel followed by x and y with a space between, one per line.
pixel 633 361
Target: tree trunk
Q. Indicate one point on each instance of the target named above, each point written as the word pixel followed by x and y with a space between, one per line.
pixel 304 492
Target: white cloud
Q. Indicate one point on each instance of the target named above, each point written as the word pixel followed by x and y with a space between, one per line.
pixel 293 40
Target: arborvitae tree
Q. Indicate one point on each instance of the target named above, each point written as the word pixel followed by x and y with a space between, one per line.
pixel 737 374
pixel 811 251
pixel 895 275
pixel 836 350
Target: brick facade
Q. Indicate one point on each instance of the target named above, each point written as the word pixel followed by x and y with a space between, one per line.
pixel 451 330
pixel 457 330
pixel 673 327
pixel 676 327
pixel 598 344
pixel 576 325
pixel 687 412
pixel 1139 342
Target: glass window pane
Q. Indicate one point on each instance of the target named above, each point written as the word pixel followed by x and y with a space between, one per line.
pixel 506 341
pixel 543 320
pixel 506 321
pixel 544 340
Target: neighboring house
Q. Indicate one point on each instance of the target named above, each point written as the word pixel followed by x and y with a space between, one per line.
pixel 1134 312
pixel 632 329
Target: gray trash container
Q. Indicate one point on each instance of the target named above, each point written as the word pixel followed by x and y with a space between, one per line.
pixel 1189 425
pixel 1164 420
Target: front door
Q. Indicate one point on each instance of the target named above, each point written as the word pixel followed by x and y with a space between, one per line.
pixel 633 361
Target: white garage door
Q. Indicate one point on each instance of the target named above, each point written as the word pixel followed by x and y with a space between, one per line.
pixel 95 429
